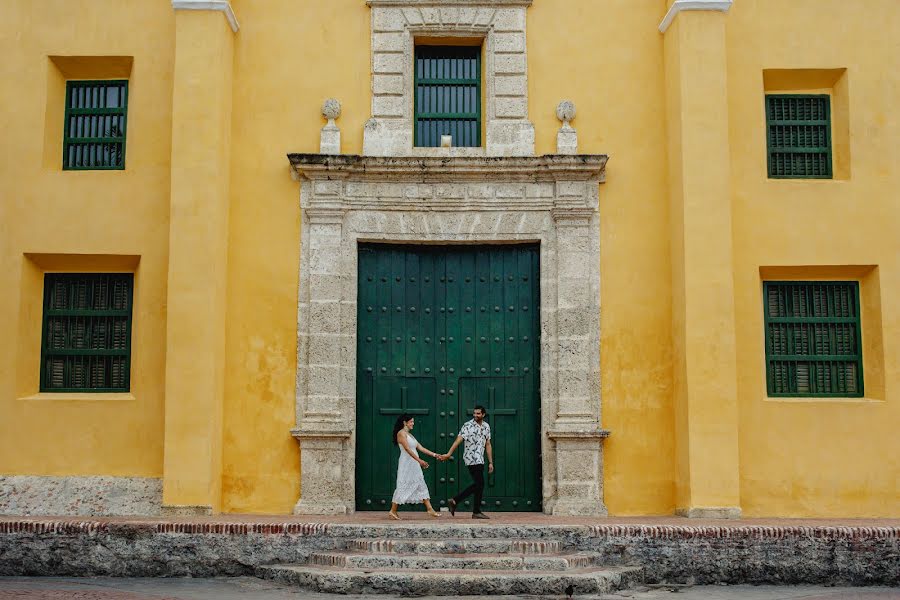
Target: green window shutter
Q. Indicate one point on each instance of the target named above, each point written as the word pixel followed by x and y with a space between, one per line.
pixel 447 95
pixel 813 340
pixel 86 341
pixel 798 136
pixel 94 129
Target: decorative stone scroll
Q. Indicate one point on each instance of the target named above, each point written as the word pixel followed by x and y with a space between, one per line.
pixel 500 24
pixel 552 200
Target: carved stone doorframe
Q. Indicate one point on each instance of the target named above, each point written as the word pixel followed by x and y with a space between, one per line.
pixel 552 200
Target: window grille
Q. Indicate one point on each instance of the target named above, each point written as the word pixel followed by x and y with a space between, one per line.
pixel 86 341
pixel 798 133
pixel 813 345
pixel 447 95
pixel 94 131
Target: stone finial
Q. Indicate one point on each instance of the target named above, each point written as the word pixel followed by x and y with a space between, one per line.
pixel 565 112
pixel 567 137
pixel 331 110
pixel 330 139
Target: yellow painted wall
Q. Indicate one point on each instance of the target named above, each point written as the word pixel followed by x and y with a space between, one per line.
pixel 198 266
pixel 834 457
pixel 796 458
pixel 117 220
pixel 618 90
pixel 289 57
pixel 276 108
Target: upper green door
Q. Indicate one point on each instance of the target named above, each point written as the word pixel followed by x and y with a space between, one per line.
pixel 442 329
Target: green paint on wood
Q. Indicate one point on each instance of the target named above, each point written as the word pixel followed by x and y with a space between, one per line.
pixel 447 99
pixel 813 339
pixel 441 329
pixel 86 341
pixel 95 123
pixel 798 136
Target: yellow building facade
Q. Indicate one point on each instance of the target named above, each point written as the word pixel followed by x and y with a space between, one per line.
pixel 699 229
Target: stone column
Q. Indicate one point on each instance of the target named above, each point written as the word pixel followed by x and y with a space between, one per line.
pixel 326 485
pixel 198 239
pixel 706 412
pixel 576 428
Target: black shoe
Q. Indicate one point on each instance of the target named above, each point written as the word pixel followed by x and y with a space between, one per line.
pixel 480 515
pixel 452 504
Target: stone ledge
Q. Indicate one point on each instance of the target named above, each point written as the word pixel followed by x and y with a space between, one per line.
pixel 549 167
pixel 597 434
pixel 746 532
pixel 186 527
pixel 300 433
pixel 441 530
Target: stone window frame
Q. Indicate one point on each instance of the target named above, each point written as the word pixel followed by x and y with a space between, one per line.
pixel 501 24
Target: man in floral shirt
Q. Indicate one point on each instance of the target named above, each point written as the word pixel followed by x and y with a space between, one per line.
pixel 477 437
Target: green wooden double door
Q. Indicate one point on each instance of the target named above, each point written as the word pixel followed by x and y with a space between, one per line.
pixel 442 329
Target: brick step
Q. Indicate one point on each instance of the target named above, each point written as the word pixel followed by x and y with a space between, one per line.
pixel 463 562
pixel 440 582
pixel 456 546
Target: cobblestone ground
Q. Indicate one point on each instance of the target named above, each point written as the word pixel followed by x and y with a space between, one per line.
pixel 245 588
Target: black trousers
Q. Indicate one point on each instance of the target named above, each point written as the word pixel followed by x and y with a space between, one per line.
pixel 477 487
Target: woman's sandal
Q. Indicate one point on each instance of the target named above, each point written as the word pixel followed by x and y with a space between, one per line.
pixel 435 514
pixel 394 515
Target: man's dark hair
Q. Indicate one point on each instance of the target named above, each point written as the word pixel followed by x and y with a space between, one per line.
pixel 481 408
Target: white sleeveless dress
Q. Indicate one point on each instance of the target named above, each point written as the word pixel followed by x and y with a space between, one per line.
pixel 411 487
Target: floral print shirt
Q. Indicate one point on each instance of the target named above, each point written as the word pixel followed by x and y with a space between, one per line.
pixel 476 437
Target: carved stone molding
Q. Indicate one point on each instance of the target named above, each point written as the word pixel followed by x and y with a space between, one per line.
pixel 552 200
pixel 500 24
pixel 223 6
pixel 680 6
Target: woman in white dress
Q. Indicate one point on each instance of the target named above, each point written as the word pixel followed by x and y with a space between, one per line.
pixel 411 487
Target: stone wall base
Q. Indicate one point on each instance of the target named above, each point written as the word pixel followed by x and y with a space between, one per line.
pixel 184 510
pixel 79 496
pixel 309 507
pixel 710 512
pixel 708 554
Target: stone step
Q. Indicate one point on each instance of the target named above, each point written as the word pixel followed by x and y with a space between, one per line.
pixel 493 562
pixel 456 546
pixel 435 582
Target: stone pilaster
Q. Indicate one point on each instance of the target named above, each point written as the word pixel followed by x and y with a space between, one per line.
pixel 576 430
pixel 323 432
